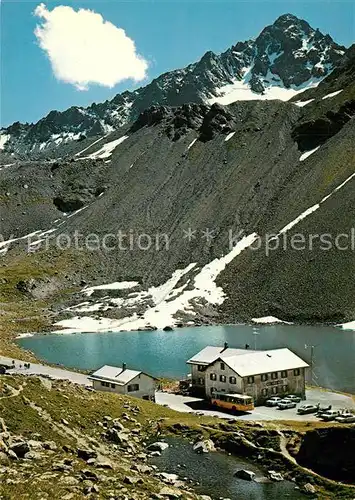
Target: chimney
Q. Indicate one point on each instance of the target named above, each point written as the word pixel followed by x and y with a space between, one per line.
pixel 225 347
pixel 124 366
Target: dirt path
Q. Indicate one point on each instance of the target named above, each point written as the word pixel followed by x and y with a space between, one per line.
pixel 14 392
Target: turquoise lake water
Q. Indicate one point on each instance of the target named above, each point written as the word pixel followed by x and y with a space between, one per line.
pixel 164 354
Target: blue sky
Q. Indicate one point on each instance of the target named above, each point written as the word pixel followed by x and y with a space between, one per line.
pixel 168 34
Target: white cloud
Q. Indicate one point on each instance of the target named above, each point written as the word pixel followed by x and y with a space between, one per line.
pixel 85 49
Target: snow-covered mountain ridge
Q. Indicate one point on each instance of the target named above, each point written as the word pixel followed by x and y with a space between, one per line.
pixel 286 58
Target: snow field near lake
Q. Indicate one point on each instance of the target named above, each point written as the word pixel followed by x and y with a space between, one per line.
pixel 269 320
pixel 348 326
pixel 168 298
pixel 111 286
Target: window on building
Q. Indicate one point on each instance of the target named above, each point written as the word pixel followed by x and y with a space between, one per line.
pixel 264 392
pixel 296 372
pixel 223 366
pixel 251 379
pixel 275 390
pixel 232 380
pixel 113 386
pixel 133 388
pixel 264 377
pixel 201 381
pixel 274 375
pixel 105 384
pixel 200 368
pixel 213 376
pixel 285 388
pixel 284 374
pixel 222 378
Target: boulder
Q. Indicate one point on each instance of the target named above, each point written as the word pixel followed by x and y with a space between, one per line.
pixel 171 493
pixel 12 455
pixel 86 454
pixel 117 425
pixel 69 480
pixel 20 448
pixel 50 445
pixel 104 464
pixel 158 446
pixel 117 437
pixel 309 489
pixel 275 476
pixel 133 480
pixel 89 474
pixel 142 469
pixel 32 455
pixel 168 478
pixel 247 475
pixel 204 446
pixel 35 445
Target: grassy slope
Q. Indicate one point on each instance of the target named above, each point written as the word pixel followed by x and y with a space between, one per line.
pixel 36 412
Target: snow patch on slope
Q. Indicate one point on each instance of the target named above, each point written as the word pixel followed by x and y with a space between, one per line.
pixel 168 299
pixel 229 136
pixel 123 285
pixel 305 155
pixel 240 90
pixel 333 94
pixel 106 150
pixel 3 140
pixel 301 104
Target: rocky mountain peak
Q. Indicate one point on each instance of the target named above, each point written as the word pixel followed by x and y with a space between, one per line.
pixel 285 58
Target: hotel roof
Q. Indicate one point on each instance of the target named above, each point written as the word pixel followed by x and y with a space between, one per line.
pixel 245 362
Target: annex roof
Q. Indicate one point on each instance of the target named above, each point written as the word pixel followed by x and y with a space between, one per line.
pixel 245 362
pixel 115 374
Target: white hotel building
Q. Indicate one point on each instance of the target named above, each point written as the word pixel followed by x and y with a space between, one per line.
pixel 260 374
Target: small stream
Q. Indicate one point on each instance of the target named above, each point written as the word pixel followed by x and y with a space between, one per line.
pixel 213 474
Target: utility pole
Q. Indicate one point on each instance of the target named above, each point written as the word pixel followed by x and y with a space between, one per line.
pixel 312 347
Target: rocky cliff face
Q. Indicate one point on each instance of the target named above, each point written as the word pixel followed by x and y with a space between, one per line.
pixel 329 452
pixel 285 58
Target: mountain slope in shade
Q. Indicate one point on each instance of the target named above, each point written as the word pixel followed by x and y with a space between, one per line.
pixel 251 167
pixel 285 59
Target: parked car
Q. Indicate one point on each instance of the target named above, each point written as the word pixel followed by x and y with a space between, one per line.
pixel 329 415
pixel 273 401
pixel 305 409
pixel 293 397
pixel 285 404
pixel 346 418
